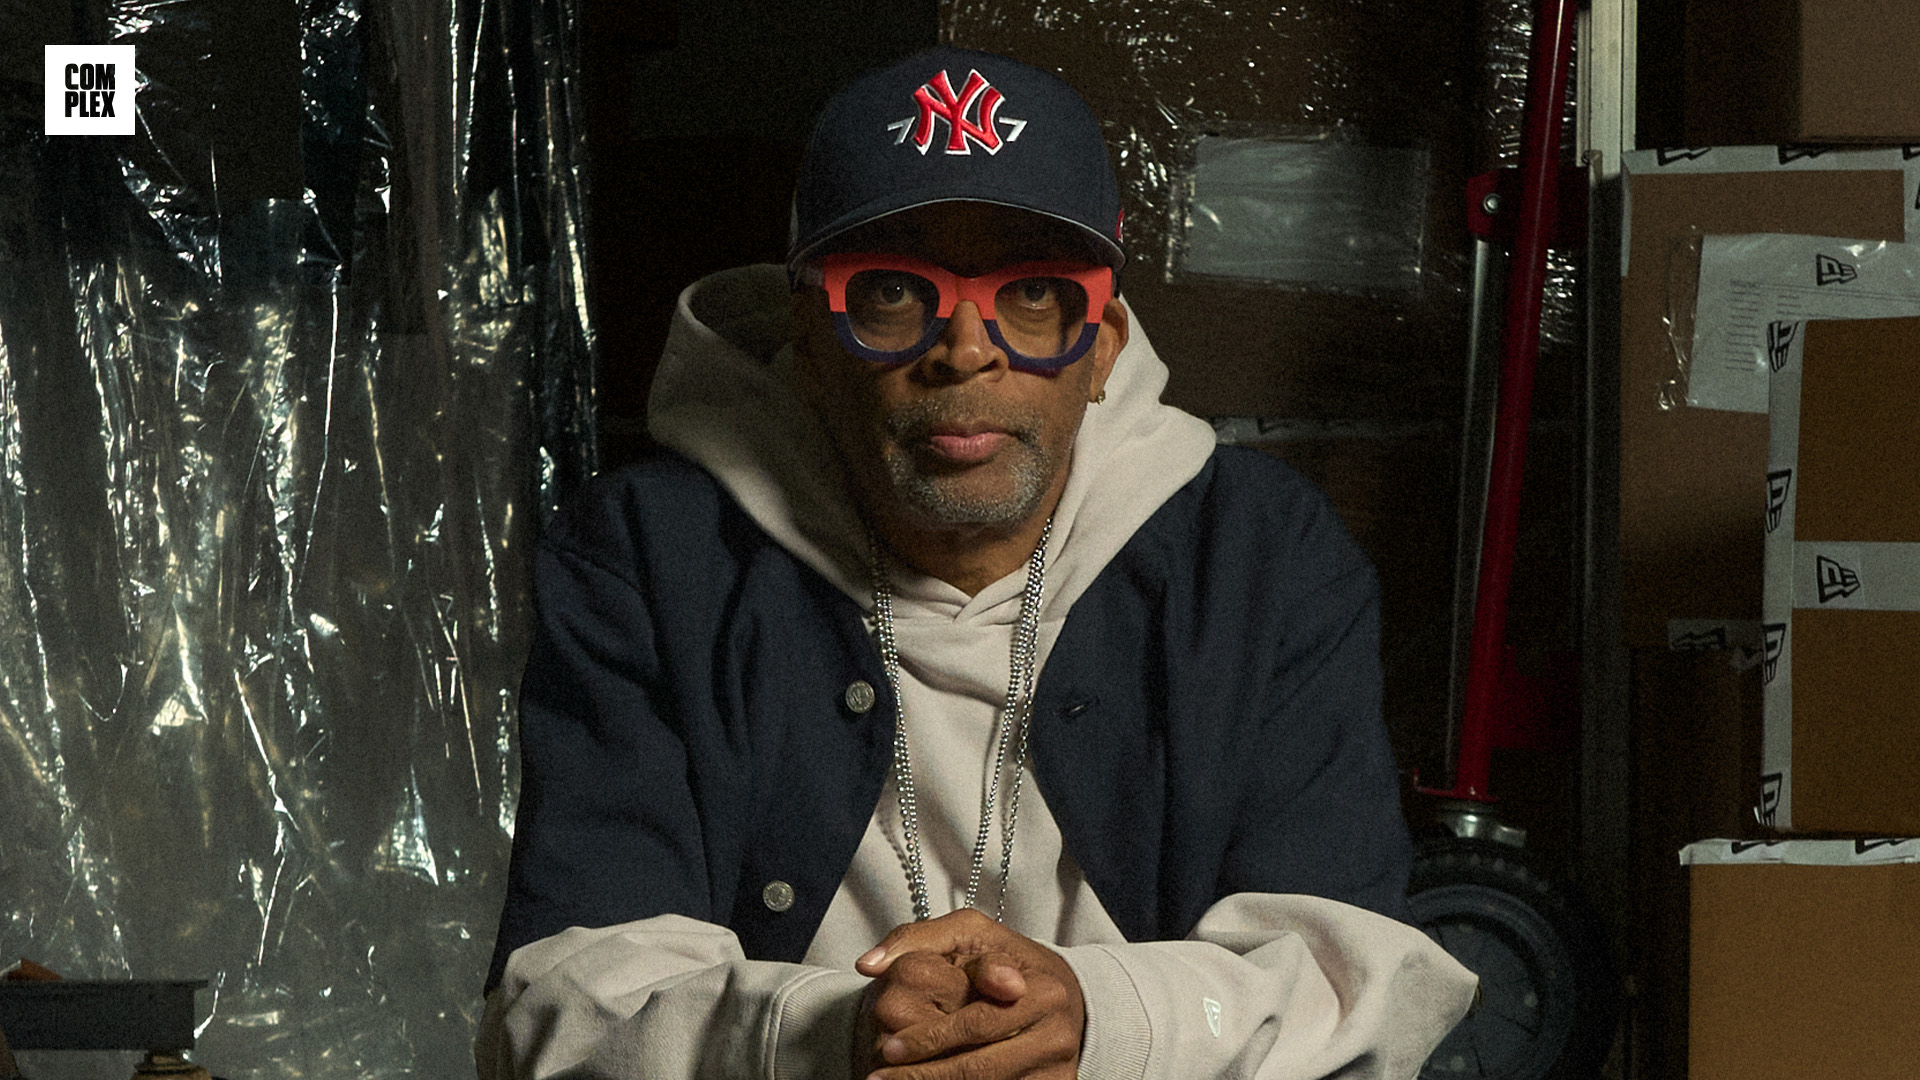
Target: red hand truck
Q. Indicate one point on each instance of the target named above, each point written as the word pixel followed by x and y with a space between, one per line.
pixel 1547 991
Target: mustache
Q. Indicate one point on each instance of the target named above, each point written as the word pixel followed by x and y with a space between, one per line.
pixel 915 422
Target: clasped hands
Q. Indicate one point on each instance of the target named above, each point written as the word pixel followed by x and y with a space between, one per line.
pixel 962 997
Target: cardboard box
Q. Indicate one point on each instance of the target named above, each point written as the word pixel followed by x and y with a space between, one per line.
pixel 1695 732
pixel 1841 748
pixel 1781 71
pixel 1693 481
pixel 1805 960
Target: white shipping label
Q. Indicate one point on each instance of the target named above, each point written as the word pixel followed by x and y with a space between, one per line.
pixel 1757 289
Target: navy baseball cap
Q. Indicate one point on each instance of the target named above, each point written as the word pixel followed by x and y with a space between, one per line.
pixel 951 124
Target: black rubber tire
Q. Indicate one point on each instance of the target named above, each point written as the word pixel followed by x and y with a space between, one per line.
pixel 1548 996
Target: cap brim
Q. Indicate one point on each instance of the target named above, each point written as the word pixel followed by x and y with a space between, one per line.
pixel 1116 256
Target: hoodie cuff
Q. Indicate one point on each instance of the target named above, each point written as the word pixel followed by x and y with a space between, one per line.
pixel 1118 1038
pixel 812 1025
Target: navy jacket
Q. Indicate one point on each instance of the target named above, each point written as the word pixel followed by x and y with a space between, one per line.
pixel 1207 723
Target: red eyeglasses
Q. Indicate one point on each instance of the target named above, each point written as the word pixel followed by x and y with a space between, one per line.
pixel 889 309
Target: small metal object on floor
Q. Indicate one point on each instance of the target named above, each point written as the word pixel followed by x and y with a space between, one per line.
pixel 169 1064
pixel 51 1013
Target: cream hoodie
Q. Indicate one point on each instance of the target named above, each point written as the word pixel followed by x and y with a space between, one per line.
pixel 1267 986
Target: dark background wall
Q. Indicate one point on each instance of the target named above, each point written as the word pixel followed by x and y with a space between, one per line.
pixel 698 112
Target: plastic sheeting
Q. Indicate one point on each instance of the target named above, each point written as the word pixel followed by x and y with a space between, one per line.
pixel 268 472
pixel 1331 309
pixel 1302 76
pixel 1506 40
pixel 1317 212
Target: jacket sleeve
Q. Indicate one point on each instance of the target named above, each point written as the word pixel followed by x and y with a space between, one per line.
pixel 1270 987
pixel 1320 812
pixel 609 959
pixel 1298 968
pixel 663 999
pixel 607 830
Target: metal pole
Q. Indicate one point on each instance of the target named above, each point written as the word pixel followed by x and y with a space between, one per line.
pixel 1547 76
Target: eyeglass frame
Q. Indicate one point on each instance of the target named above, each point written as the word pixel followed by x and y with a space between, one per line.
pixel 834 271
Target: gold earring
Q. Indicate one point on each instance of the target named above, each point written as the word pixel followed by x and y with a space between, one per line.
pixel 1100 397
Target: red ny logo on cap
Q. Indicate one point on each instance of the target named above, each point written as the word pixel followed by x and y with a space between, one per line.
pixel 977 99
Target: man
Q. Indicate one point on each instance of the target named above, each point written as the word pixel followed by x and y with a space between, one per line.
pixel 947 706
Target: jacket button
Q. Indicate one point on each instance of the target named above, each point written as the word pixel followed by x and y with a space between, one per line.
pixel 860 696
pixel 778 896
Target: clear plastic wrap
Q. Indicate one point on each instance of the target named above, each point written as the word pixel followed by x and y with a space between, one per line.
pixel 1307 211
pixel 269 466
pixel 1506 44
pixel 1406 92
pixel 1350 310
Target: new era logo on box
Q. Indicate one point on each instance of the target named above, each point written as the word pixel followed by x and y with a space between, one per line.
pixel 1768 809
pixel 1834 580
pixel 1773 644
pixel 89 90
pixel 1828 270
pixel 1779 482
pixel 1780 335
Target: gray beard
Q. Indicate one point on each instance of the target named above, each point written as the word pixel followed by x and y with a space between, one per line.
pixel 1031 469
pixel 933 498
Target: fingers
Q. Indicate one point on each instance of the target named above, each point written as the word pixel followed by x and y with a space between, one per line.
pixel 979 1023
pixel 918 988
pixel 1045 1050
pixel 958 933
pixel 1020 1013
pixel 996 976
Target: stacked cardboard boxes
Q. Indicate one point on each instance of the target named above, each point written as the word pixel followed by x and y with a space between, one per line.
pixel 1804 953
pixel 1693 511
pixel 1842 607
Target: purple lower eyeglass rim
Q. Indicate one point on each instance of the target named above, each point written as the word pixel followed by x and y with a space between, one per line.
pixel 1016 359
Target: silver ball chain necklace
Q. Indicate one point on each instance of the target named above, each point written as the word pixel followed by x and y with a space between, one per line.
pixel 1016 721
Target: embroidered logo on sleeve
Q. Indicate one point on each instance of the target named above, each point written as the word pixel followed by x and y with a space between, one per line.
pixel 1212 1009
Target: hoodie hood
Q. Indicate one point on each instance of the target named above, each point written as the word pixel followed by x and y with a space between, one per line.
pixel 725 396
